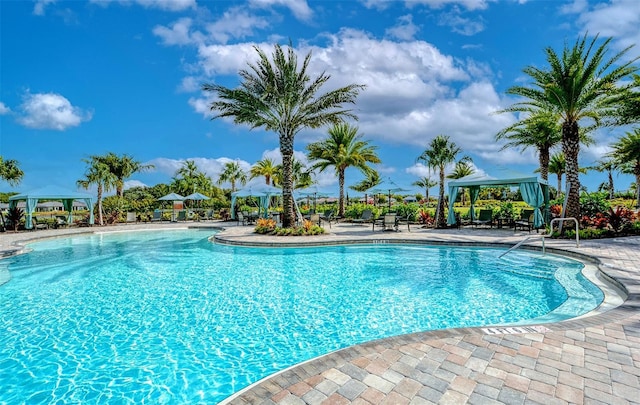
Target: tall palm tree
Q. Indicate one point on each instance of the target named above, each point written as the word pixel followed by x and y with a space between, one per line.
pixel 99 173
pixel 541 131
pixel 265 167
pixel 440 152
pixel 462 169
pixel 627 151
pixel 426 183
pixel 233 174
pixel 557 166
pixel 281 98
pixel 10 171
pixel 122 168
pixel 343 148
pixel 189 179
pixel 607 165
pixel 580 84
pixel 371 180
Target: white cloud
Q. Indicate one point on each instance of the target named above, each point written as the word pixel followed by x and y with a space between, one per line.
pixel 133 183
pixel 166 5
pixel 461 25
pixel 50 111
pixel 468 4
pixel 210 167
pixel 617 18
pixel 299 8
pixel 235 23
pixel 39 7
pixel 404 30
pixel 189 84
pixel 4 109
pixel 177 34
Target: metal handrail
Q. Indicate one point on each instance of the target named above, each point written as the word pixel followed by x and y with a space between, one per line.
pixel 543 236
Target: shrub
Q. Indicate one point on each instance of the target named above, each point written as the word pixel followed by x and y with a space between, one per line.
pixel 594 203
pixel 265 225
pixel 15 214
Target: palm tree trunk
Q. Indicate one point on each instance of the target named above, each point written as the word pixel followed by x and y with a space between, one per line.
pixel 100 220
pixel 611 189
pixel 543 159
pixel 440 220
pixel 341 197
pixel 636 171
pixel 571 149
pixel 286 148
pixel 559 185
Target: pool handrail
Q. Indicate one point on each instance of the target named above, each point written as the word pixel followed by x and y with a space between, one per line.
pixel 543 236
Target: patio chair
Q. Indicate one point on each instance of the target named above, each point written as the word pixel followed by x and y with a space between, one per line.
pixel 328 216
pixel 132 217
pixel 182 215
pixel 390 222
pixel 367 216
pixel 157 216
pixel 61 222
pixel 484 218
pixel 242 219
pixel 315 219
pixel 525 222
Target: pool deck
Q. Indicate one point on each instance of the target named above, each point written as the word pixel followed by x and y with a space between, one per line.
pixel 594 360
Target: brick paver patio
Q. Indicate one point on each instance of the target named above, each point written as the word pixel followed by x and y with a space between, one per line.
pixel 590 360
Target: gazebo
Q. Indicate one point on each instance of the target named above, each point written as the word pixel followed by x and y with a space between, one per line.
pixel 260 190
pixel 535 192
pixel 51 193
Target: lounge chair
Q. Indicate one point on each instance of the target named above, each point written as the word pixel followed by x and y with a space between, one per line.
pixel 328 216
pixel 157 216
pixel 61 222
pixel 36 225
pixel 390 222
pixel 367 216
pixel 182 215
pixel 525 222
pixel 315 219
pixel 484 218
pixel 242 219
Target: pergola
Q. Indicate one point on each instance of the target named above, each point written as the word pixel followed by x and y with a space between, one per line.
pixel 51 193
pixel 535 192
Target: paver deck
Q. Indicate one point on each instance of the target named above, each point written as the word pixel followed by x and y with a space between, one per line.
pixel 590 360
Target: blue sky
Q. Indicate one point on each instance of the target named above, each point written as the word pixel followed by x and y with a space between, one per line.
pixel 84 78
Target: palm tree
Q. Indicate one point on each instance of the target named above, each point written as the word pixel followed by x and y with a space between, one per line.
pixel 440 152
pixel 630 112
pixel 371 180
pixel 99 173
pixel 122 168
pixel 188 178
pixel 627 151
pixel 607 165
pixel 281 98
pixel 557 165
pixel 578 85
pixel 265 167
pixel 233 174
pixel 541 131
pixel 462 169
pixel 343 148
pixel 10 171
pixel 301 175
pixel 426 183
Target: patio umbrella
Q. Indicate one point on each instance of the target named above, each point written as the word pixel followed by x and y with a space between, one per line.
pixel 312 192
pixel 172 197
pixel 387 187
pixel 197 197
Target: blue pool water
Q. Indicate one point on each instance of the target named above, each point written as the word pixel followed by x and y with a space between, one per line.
pixel 169 317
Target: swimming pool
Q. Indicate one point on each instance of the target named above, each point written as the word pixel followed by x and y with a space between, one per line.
pixel 170 317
